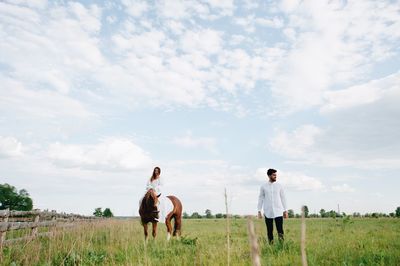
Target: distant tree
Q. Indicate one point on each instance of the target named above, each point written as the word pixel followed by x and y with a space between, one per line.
pixel 237 216
pixel 185 215
pixel 208 214
pixel 356 214
pixel 219 215
pixel 392 214
pixel 196 215
pixel 398 212
pixel 333 214
pixel 322 212
pixel 291 213
pixel 297 215
pixel 305 211
pixel 107 213
pixel 375 215
pixel 98 212
pixel 12 199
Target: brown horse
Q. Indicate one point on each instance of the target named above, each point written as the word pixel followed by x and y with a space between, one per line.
pixel 149 214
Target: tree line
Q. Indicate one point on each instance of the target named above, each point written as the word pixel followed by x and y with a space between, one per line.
pixel 106 213
pixel 207 215
pixel 322 214
pixel 335 214
pixel 20 200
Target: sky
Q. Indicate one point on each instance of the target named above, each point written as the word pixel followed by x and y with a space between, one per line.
pixel 95 94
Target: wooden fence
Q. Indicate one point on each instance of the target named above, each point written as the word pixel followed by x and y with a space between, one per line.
pixel 31 221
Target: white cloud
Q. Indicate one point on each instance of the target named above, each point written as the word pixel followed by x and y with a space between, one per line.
pixel 289 5
pixel 335 45
pixel 88 17
pixel 10 147
pixel 173 9
pixel 206 41
pixel 149 42
pixel 175 27
pixel 273 22
pixel 188 141
pixel 194 67
pixel 226 7
pixel 360 129
pixel 135 8
pixel 50 48
pixel 246 22
pixel 204 74
pixel 30 3
pixel 250 4
pixel 180 10
pixel 293 180
pixel 296 143
pixel 237 39
pixel 111 154
pixel 343 188
pixel 363 94
pixel 250 22
pixel 111 19
pixel 16 99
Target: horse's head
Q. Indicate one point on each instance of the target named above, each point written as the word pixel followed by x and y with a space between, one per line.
pixel 151 199
pixel 148 209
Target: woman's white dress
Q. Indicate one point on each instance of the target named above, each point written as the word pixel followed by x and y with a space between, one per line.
pixel 156 186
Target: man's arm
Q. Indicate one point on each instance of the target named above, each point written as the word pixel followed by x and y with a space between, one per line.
pixel 283 200
pixel 260 202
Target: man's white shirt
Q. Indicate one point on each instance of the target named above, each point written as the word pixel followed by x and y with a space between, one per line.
pixel 272 200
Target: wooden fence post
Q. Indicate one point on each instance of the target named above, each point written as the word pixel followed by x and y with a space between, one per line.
pixel 34 231
pixel 54 226
pixel 3 234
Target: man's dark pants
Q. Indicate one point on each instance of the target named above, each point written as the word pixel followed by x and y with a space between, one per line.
pixel 270 227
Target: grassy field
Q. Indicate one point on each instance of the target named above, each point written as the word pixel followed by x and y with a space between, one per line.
pixel 120 242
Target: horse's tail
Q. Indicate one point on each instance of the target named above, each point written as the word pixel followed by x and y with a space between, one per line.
pixel 177 216
pixel 177 226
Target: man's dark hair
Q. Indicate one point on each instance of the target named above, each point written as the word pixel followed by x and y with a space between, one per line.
pixel 271 171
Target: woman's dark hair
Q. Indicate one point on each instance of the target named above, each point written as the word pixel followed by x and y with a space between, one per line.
pixel 271 171
pixel 153 176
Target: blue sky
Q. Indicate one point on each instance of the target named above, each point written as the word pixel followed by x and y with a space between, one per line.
pixel 95 94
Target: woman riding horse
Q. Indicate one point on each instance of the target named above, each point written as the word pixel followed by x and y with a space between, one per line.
pixel 150 208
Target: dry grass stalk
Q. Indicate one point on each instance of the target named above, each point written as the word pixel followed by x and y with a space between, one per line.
pixel 255 255
pixel 228 231
pixel 303 238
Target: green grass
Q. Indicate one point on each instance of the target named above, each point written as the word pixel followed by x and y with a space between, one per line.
pixel 118 242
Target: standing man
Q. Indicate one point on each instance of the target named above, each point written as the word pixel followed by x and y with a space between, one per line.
pixel 272 200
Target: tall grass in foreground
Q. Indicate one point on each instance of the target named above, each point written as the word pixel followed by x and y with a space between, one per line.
pixel 121 242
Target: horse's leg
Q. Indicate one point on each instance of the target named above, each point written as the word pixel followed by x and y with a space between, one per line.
pixel 169 226
pixel 177 225
pixel 145 231
pixel 154 229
